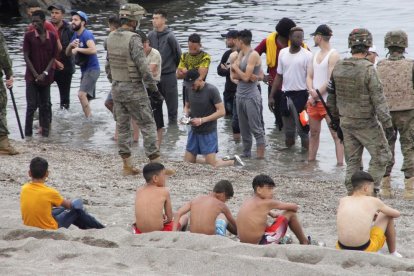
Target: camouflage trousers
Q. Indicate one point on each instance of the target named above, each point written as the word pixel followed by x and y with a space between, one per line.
pixel 140 111
pixel 3 108
pixel 403 123
pixel 368 134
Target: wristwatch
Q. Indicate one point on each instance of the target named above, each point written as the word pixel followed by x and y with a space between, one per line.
pixel 46 73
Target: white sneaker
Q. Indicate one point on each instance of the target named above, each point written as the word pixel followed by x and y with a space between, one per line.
pixel 396 254
pixel 238 160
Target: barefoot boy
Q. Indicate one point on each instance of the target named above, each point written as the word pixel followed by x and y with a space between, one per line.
pixel 252 217
pixel 153 211
pixel 209 213
pixel 37 201
pixel 364 222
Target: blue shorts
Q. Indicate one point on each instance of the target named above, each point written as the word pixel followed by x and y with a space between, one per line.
pixel 202 143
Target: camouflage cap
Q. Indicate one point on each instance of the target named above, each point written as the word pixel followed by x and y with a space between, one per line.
pixel 132 12
pixel 397 38
pixel 360 36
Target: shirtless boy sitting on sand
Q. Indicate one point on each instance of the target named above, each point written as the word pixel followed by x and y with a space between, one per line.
pixel 153 211
pixel 364 222
pixel 252 217
pixel 209 213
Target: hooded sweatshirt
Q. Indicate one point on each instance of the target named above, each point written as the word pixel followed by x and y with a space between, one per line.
pixel 166 43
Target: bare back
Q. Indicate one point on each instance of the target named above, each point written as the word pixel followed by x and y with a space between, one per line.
pixel 150 203
pixel 354 219
pixel 251 220
pixel 204 212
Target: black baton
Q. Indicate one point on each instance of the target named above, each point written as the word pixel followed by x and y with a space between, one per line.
pixel 17 113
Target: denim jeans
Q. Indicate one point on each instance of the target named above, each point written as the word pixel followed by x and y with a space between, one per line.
pixel 80 218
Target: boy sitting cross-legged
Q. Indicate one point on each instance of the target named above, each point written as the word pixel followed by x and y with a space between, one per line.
pixel 252 217
pixel 364 222
pixel 209 214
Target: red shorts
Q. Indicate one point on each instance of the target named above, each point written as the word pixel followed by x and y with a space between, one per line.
pixel 317 112
pixel 168 227
pixel 276 231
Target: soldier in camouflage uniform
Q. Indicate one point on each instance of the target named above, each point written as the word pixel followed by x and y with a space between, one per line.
pixel 396 74
pixel 129 71
pixel 356 98
pixel 6 67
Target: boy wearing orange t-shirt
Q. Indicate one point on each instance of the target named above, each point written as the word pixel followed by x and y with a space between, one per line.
pixel 45 208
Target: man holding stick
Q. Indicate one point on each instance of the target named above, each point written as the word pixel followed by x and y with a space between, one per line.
pixel 6 67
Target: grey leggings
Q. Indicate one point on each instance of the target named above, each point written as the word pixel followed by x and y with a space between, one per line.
pixel 249 111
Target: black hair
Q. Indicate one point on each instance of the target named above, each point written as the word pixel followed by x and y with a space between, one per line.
pixel 245 36
pixel 38 167
pixel 224 186
pixel 397 49
pixel 143 36
pixel 295 29
pixel 39 13
pixel 113 20
pixel 262 180
pixel 152 169
pixel 161 12
pixel 194 38
pixel 359 49
pixel 359 178
pixel 284 26
pixel 32 4
pixel 124 21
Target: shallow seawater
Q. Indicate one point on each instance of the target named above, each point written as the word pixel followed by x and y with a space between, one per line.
pixel 210 19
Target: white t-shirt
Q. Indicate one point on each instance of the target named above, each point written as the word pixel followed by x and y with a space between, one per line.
pixel 293 68
pixel 154 57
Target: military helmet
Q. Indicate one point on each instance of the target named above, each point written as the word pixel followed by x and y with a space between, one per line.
pixel 360 37
pixel 396 38
pixel 132 12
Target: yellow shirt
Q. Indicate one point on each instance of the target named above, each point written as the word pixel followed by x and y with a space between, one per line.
pixel 36 202
pixel 201 60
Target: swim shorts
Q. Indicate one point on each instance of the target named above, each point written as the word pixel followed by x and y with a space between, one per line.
pixel 168 227
pixel 317 112
pixel 221 227
pixel 377 240
pixel 88 82
pixel 202 143
pixel 276 231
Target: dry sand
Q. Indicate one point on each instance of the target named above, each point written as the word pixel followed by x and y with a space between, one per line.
pixel 96 178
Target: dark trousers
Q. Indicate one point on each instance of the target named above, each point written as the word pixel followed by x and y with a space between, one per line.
pixel 37 96
pixel 63 80
pixel 169 90
pixel 235 118
pixel 277 112
pixel 80 218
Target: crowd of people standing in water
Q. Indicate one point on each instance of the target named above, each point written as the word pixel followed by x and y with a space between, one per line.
pixel 364 103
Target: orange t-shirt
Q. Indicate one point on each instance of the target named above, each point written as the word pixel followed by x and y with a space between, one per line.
pixel 36 202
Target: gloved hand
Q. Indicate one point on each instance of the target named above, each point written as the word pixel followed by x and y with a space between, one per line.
pixel 334 125
pixel 390 134
pixel 155 95
pixel 77 204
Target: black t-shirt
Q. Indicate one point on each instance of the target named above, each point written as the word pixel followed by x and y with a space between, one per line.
pixel 230 87
pixel 202 104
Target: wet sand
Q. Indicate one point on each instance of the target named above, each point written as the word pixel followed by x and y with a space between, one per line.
pixel 95 176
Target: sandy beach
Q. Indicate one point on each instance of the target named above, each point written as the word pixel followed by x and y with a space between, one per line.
pixel 96 177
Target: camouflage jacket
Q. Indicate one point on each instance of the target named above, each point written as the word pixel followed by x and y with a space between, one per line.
pixel 5 62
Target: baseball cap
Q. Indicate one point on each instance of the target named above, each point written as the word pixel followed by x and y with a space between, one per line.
pixel 231 34
pixel 192 75
pixel 57 7
pixel 81 14
pixel 322 30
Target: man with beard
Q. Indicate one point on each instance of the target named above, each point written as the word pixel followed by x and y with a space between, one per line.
pixel 223 69
pixel 63 74
pixel 40 49
pixel 130 74
pixel 83 47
